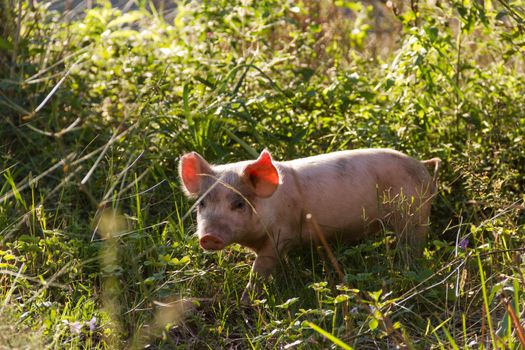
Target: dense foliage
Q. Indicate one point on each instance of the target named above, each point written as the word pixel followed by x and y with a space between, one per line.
pixel 96 245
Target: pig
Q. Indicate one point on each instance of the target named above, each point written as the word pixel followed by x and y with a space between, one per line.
pixel 265 205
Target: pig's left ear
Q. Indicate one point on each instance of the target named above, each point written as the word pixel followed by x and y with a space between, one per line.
pixel 262 175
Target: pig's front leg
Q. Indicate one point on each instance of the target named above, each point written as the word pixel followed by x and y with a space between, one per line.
pixel 262 268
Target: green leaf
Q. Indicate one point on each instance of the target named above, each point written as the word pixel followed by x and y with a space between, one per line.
pixel 373 323
pixel 340 298
pixel 287 303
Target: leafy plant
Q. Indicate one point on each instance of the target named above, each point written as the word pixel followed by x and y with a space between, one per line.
pixel 96 245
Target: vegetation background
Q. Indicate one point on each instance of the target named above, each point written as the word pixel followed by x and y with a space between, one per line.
pixel 97 103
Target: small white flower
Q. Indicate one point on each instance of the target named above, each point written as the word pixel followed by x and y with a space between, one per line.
pixel 76 327
pixel 92 324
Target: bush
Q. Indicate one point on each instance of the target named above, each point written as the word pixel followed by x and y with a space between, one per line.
pixel 96 248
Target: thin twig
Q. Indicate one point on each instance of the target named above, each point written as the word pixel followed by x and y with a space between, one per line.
pixel 133 183
pixel 515 321
pixel 113 138
pixel 58 133
pixel 28 278
pixel 33 79
pixel 326 247
pixel 130 164
pixel 13 286
pixel 51 93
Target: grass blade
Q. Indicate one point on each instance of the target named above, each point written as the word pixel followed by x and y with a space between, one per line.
pixel 329 336
pixel 486 302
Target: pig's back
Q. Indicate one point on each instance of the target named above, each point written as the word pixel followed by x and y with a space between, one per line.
pixel 344 190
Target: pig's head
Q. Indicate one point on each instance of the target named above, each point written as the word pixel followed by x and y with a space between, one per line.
pixel 228 198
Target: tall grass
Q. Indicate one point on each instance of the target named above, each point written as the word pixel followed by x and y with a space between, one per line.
pixel 96 244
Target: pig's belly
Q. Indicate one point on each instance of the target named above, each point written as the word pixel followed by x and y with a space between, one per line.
pixel 350 228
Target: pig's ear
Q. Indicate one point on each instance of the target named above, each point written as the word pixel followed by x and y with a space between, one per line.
pixel 192 167
pixel 262 175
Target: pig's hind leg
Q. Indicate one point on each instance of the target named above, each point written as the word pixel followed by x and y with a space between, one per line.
pixel 418 238
pixel 409 217
pixel 421 220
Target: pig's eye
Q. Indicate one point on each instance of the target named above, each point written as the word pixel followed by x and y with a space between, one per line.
pixel 202 204
pixel 238 205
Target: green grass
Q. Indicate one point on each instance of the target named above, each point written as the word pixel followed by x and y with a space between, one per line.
pixel 96 237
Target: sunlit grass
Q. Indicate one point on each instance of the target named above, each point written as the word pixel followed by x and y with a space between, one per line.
pixel 96 239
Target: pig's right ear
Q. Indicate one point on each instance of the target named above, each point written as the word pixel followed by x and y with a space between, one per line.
pixel 262 175
pixel 192 168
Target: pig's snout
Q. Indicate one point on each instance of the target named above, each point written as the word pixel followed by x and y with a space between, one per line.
pixel 211 242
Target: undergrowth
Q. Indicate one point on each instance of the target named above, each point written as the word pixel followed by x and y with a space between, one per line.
pixel 97 247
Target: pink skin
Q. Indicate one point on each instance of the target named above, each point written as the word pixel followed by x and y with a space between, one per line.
pixel 262 204
pixel 218 223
